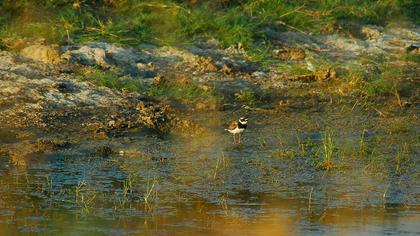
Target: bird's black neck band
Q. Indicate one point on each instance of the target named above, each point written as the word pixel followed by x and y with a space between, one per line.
pixel 241 126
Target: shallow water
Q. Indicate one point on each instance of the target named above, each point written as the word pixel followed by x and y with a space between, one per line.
pixel 274 183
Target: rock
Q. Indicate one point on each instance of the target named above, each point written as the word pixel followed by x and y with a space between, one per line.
pixel 104 151
pixel 205 64
pixel 292 38
pixel 327 74
pixel 6 60
pixel 104 55
pixel 146 70
pixel 226 69
pixel 9 90
pixel 339 42
pixel 293 54
pixel 259 75
pixel 122 56
pixel 236 49
pixel 145 66
pixel 413 49
pixel 85 55
pixel 42 53
pixel 111 123
pixel 155 116
pixel 25 70
pixel 320 75
pixel 35 97
pixel 408 34
pixel 171 55
pixel 66 87
pixel 51 144
pixel 371 32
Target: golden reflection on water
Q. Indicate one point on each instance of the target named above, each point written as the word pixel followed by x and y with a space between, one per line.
pixel 203 187
pixel 274 217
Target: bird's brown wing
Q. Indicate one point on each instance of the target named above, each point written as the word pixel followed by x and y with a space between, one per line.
pixel 233 125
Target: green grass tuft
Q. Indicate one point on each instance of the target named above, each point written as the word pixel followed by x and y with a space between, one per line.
pixel 246 97
pixel 378 86
pixel 412 57
pixel 186 92
pixel 113 81
pixel 328 145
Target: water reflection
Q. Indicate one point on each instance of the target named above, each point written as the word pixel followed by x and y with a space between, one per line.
pixel 205 185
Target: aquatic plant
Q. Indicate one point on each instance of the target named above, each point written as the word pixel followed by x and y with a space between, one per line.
pixel 362 144
pixel 150 195
pixel 127 189
pixel 85 196
pixel 328 150
pixel 401 159
pixel 221 163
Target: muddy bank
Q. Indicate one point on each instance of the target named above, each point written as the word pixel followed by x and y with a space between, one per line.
pixel 51 91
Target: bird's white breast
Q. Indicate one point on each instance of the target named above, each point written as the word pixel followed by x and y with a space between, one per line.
pixel 236 130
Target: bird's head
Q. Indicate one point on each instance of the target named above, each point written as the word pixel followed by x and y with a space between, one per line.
pixel 243 120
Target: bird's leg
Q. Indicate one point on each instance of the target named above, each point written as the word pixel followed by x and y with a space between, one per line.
pixel 234 138
pixel 239 137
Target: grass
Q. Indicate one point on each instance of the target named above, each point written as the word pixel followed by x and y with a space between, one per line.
pixel 328 150
pixel 383 81
pixel 293 69
pixel 246 97
pixel 401 159
pixel 85 197
pixel 412 57
pixel 287 153
pixel 377 155
pixel 376 76
pixel 175 22
pixel 150 195
pixel 377 86
pixel 126 190
pixel 362 144
pixel 221 164
pixel 112 80
pixel 184 91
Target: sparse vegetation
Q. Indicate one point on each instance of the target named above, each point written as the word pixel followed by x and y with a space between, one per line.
pixel 377 86
pixel 412 58
pixel 112 80
pixel 246 97
pixel 184 91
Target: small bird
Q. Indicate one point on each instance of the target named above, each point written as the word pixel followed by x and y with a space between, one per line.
pixel 237 127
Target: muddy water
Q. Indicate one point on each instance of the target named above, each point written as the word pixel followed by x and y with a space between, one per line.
pixel 274 183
